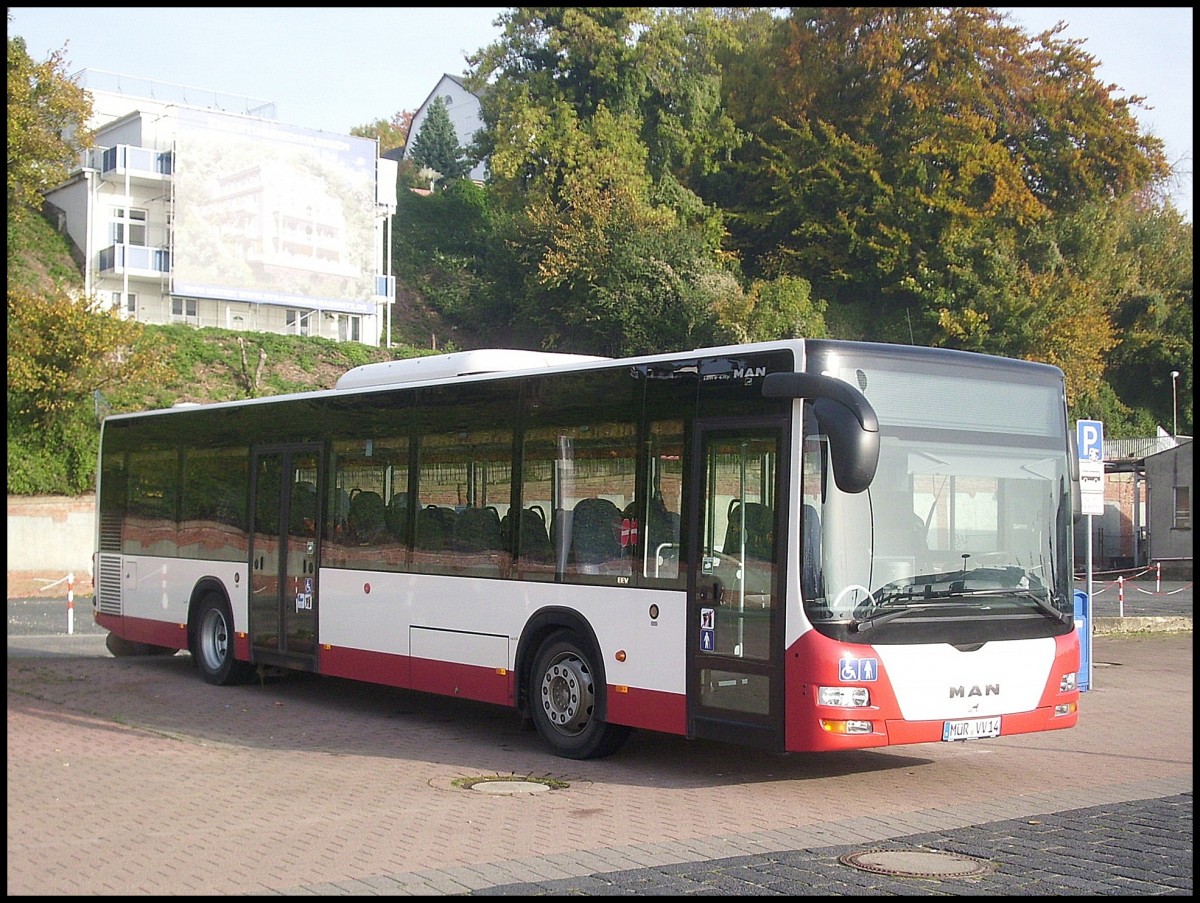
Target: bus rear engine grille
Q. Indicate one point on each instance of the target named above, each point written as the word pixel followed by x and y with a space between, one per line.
pixel 108 585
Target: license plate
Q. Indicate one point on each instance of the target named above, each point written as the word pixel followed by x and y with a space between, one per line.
pixel 975 729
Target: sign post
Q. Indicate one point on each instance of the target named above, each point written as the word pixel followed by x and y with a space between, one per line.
pixel 1090 439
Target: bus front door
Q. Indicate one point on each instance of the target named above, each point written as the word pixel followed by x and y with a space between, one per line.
pixel 283 556
pixel 735 670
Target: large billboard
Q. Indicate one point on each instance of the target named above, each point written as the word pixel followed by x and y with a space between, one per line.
pixel 273 214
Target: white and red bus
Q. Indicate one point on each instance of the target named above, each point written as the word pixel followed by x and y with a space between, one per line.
pixel 799 545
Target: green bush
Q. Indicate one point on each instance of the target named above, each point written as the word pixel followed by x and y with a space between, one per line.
pixel 59 459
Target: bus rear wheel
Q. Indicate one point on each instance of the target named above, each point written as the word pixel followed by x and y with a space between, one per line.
pixel 563 701
pixel 212 644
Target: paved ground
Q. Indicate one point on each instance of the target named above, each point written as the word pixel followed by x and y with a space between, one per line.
pixel 133 776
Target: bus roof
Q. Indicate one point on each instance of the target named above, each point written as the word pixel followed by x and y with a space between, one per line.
pixel 457 363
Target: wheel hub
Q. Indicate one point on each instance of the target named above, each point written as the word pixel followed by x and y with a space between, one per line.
pixel 567 696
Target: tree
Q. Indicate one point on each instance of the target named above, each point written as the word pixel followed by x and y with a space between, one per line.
pixel 780 308
pixel 47 126
pixel 436 145
pixel 390 133
pixel 61 352
pixel 593 117
pixel 62 348
pixel 905 159
pixel 1153 313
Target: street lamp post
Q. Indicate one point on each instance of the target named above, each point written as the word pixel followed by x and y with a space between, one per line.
pixel 1174 405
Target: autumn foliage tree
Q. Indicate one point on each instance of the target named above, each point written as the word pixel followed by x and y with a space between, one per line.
pixel 47 118
pixel 61 352
pixel 390 133
pixel 595 117
pixel 664 177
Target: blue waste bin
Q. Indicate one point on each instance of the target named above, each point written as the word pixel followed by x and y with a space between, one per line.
pixel 1083 622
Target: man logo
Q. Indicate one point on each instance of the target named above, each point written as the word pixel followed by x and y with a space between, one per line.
pixel 961 692
pixel 748 372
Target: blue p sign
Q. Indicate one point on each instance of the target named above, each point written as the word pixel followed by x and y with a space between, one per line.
pixel 1090 435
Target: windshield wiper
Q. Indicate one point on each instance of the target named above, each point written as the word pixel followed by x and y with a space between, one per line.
pixel 859 626
pixel 1054 614
pixel 930 598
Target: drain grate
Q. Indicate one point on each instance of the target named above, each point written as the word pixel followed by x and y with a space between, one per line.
pixel 917 864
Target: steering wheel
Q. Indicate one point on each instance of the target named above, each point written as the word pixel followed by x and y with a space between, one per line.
pixel 848 588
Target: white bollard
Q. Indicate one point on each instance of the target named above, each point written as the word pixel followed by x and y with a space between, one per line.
pixel 70 603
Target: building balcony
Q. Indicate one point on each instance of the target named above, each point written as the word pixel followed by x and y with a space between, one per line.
pixel 135 261
pixel 138 164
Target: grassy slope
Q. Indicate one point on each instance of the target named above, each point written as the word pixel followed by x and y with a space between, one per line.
pixel 206 363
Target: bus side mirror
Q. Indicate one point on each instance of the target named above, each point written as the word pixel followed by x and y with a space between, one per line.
pixel 844 415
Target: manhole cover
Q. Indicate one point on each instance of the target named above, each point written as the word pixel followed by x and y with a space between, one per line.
pixel 509 787
pixel 502 784
pixel 916 864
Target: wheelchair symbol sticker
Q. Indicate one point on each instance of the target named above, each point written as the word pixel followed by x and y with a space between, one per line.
pixel 858 669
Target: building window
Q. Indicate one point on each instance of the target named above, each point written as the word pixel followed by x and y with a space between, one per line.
pixel 185 309
pixel 1183 508
pixel 128 302
pixel 297 322
pixel 349 328
pixel 129 226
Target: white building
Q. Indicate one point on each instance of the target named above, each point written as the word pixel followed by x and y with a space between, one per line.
pixel 200 208
pixel 465 115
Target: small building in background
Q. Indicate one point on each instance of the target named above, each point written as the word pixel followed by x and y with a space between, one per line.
pixel 466 115
pixel 200 208
pixel 1169 476
pixel 1147 509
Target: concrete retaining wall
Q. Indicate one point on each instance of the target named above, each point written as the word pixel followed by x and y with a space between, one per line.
pixel 51 535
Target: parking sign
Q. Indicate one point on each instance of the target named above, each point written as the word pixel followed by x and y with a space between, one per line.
pixel 1090 436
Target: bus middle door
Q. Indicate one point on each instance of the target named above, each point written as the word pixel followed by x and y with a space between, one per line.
pixel 283 556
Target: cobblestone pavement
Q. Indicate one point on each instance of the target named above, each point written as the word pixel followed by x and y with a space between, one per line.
pixel 132 776
pixel 1139 848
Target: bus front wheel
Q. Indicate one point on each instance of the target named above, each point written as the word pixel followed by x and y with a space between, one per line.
pixel 563 700
pixel 212 644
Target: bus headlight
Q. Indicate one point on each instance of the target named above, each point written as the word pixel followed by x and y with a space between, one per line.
pixel 845 697
pixel 1068 683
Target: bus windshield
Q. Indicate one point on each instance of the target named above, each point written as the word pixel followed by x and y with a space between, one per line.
pixel 969 513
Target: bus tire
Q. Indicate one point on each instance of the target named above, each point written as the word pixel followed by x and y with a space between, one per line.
pixel 563 695
pixel 212 644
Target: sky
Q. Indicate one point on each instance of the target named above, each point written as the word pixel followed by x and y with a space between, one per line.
pixel 337 68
